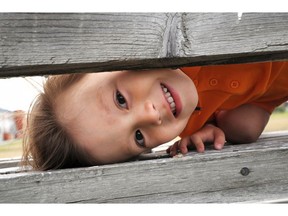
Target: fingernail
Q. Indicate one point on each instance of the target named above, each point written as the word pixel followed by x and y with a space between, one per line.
pixel 218 146
pixel 200 150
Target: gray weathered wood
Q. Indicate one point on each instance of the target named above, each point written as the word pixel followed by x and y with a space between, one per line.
pixel 214 176
pixel 33 44
pixel 9 162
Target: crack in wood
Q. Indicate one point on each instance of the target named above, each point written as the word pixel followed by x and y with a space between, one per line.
pixel 170 36
pixel 271 45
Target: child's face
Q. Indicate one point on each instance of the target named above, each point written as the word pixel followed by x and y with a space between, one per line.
pixel 115 116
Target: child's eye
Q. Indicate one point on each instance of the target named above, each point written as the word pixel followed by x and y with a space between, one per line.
pixel 121 101
pixel 139 139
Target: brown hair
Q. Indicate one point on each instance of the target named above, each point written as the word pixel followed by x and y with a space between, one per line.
pixel 47 144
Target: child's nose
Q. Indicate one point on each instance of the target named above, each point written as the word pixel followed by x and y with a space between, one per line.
pixel 149 114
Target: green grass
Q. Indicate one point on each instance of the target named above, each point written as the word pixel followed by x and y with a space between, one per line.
pixel 278 121
pixel 11 149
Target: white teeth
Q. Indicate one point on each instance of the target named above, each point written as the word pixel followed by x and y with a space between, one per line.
pixel 170 99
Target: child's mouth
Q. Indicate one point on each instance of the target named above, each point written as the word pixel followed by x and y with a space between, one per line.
pixel 170 99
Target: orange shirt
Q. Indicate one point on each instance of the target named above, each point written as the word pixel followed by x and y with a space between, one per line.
pixel 225 87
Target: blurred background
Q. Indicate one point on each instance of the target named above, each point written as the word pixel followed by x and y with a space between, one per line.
pixel 16 95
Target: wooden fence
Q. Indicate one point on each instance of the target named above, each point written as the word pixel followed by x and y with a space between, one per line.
pixel 40 44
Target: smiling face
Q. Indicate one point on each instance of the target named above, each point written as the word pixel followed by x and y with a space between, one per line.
pixel 118 115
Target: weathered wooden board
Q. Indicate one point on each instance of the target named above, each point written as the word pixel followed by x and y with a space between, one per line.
pixel 9 162
pixel 255 172
pixel 34 44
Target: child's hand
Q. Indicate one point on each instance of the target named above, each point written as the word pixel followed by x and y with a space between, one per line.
pixel 209 133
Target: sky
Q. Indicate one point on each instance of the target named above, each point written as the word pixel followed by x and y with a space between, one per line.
pixel 18 93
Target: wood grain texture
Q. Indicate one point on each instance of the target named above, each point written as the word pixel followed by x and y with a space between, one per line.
pixel 34 44
pixel 39 44
pixel 9 162
pixel 255 172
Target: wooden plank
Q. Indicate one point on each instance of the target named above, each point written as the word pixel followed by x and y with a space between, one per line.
pixel 255 172
pixel 9 162
pixel 34 44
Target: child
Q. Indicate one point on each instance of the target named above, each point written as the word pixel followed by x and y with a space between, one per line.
pixel 101 118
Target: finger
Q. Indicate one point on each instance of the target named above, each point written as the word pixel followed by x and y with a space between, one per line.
pixel 174 149
pixel 182 146
pixel 219 139
pixel 198 143
pixel 169 149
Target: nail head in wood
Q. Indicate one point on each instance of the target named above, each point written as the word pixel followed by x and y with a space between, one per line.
pixel 245 171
